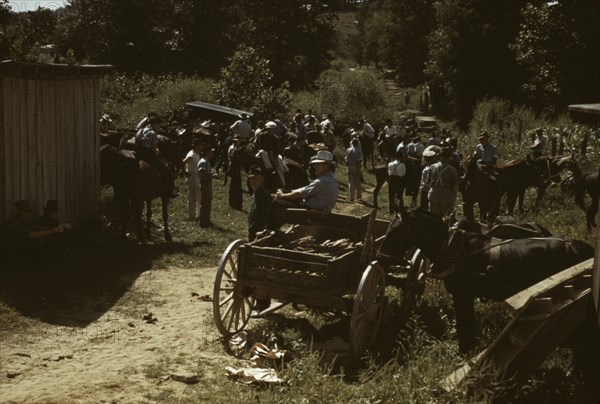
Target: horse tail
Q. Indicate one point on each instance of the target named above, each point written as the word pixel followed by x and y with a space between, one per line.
pixel 579 194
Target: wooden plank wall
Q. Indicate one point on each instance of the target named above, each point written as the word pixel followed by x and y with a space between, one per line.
pixel 49 144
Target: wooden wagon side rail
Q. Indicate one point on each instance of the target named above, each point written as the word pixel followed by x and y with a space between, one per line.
pixel 543 316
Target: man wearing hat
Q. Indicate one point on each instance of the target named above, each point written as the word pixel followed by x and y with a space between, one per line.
pixel 430 157
pixel 486 155
pixel 354 159
pixel 321 194
pixel 146 148
pixel 328 119
pixel 260 204
pixel 300 130
pixel 268 150
pixel 21 230
pixel 539 144
pixel 49 219
pixel 205 175
pixel 366 128
pixel 191 161
pixel 444 185
pixel 234 170
pixel 241 127
pixel 397 183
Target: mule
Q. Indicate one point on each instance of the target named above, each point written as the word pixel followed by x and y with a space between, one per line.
pixel 477 265
pixel 295 177
pixel 476 188
pixel 134 182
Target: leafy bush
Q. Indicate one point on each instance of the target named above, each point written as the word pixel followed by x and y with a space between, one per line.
pixel 350 95
pixel 245 84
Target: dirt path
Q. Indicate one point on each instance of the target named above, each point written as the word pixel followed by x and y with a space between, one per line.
pixel 120 357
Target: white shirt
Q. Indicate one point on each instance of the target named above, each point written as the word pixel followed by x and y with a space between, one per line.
pixel 191 162
pixel 396 168
pixel 327 121
pixel 390 131
pixel 368 130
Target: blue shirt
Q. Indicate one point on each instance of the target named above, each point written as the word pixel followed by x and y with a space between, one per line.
pixel 321 194
pixel 486 153
pixel 147 138
pixel 353 156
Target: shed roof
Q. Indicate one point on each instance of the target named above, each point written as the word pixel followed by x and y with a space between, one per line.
pixel 51 70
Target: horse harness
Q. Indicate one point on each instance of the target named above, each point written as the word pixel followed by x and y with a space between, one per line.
pixel 492 250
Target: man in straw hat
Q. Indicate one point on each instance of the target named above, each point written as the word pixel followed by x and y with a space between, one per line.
pixel 241 127
pixel 486 155
pixel 321 194
pixel 269 147
pixel 539 144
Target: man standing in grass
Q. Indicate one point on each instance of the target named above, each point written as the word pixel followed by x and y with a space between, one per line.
pixel 191 161
pixel 205 173
pixel 260 205
pixel 353 161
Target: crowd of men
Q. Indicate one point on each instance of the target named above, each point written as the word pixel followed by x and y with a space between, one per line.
pixel 438 162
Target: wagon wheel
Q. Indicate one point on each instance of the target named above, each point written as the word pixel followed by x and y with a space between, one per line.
pixel 368 309
pixel 414 286
pixel 232 303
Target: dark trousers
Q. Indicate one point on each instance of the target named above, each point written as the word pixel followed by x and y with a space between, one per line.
pixel 205 201
pixel 396 190
pixel 424 200
pixel 235 193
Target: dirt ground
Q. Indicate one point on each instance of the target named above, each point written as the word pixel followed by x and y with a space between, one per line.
pixel 120 357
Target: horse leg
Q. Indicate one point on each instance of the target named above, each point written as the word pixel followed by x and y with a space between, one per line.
pixel 466 325
pixel 468 206
pixel 376 192
pixel 590 214
pixel 148 217
pixel 511 200
pixel 138 206
pixel 540 194
pixel 165 215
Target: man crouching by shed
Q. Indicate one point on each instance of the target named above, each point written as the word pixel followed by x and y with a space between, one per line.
pixel 321 194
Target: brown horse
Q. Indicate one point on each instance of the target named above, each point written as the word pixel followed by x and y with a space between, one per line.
pixel 134 182
pixel 476 188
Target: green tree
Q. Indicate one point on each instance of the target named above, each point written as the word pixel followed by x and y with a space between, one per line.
pixel 246 83
pixel 469 55
pixel 396 35
pixel 558 53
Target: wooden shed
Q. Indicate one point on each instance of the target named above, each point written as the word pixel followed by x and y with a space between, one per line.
pixel 49 137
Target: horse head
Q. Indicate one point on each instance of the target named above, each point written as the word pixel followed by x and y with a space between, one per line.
pixel 418 228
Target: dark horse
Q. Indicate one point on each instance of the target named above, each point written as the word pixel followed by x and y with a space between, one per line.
pixel 133 182
pixel 476 188
pixel 295 176
pixel 586 183
pixel 477 265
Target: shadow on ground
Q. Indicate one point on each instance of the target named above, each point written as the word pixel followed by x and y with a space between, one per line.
pixel 75 280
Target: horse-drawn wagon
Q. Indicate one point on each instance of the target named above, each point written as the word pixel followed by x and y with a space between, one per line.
pixel 322 260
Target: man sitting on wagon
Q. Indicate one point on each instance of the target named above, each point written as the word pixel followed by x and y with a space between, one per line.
pixel 321 194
